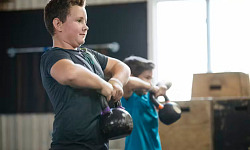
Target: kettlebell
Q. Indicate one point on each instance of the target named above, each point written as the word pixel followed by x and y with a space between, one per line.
pixel 169 112
pixel 115 122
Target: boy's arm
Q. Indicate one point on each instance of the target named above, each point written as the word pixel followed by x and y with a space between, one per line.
pixel 66 72
pixel 137 83
pixel 118 70
pixel 119 73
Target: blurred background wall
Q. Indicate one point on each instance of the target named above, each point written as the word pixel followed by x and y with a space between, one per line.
pixel 21 88
pixel 215 117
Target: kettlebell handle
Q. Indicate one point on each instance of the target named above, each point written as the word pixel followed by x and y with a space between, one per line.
pixel 157 104
pixel 118 104
pixel 166 98
pixel 104 105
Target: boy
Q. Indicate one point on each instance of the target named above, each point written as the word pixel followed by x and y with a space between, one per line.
pixel 136 101
pixel 74 78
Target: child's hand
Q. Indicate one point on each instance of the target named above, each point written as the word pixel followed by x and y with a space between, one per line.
pixel 117 89
pixel 154 89
pixel 107 90
pixel 161 91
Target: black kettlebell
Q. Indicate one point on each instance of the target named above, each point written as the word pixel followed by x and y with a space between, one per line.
pixel 168 113
pixel 116 122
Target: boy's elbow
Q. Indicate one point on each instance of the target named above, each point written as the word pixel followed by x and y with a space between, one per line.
pixel 126 67
pixel 68 78
pixel 128 71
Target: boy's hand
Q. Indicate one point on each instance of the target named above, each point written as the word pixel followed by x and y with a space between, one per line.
pixel 161 91
pixel 107 90
pixel 154 88
pixel 117 89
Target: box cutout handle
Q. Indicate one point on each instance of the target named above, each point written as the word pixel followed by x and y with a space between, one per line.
pixel 241 108
pixel 185 109
pixel 215 87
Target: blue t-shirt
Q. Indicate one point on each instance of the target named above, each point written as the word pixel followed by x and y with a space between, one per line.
pixel 145 134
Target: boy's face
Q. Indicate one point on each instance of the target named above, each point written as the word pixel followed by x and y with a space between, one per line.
pixel 74 28
pixel 147 76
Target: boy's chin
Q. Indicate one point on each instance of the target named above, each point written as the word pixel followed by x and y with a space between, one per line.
pixel 140 92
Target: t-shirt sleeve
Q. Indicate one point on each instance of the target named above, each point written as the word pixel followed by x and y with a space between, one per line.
pixel 51 57
pixel 102 59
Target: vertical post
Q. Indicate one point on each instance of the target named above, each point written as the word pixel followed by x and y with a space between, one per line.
pixel 151 35
pixel 208 38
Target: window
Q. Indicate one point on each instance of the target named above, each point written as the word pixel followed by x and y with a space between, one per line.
pixel 182 41
pixel 230 35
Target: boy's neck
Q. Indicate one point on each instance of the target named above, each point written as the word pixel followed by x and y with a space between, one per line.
pixel 62 44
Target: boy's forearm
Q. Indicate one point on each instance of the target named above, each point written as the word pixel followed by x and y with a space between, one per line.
pixel 137 83
pixel 121 72
pixel 83 78
pixel 133 84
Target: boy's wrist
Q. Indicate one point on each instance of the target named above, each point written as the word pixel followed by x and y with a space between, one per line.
pixel 151 87
pixel 117 81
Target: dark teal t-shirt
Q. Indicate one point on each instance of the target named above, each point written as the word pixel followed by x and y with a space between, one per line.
pixel 77 111
pixel 145 134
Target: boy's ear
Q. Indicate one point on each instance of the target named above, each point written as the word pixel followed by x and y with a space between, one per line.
pixel 57 23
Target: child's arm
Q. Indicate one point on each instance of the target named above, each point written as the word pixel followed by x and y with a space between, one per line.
pixel 137 83
pixel 68 73
pixel 119 73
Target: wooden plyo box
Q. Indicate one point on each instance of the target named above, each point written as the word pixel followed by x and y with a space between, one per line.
pixel 231 127
pixel 193 131
pixel 220 84
pixel 218 124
